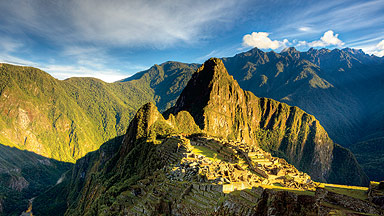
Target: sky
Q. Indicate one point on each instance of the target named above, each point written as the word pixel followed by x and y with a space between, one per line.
pixel 112 40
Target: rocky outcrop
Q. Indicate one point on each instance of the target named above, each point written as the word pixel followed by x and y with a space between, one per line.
pixel 18 183
pixel 221 108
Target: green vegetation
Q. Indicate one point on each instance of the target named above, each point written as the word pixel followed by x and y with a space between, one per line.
pixel 296 191
pixel 352 191
pixel 341 88
pixel 212 155
pixel 66 119
pixel 166 80
pixel 340 211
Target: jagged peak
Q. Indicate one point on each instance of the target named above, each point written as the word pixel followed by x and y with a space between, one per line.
pixel 354 51
pixel 252 52
pixel 197 93
pixel 214 66
pixel 324 50
pixel 290 52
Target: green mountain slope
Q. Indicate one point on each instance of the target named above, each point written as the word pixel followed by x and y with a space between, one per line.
pixel 66 119
pixel 340 87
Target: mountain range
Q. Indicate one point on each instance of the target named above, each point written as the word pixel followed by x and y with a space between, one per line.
pixel 341 88
pixel 64 120
pixel 158 167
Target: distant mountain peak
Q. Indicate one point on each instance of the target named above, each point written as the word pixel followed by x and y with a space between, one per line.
pixel 252 52
pixel 289 50
pixel 354 51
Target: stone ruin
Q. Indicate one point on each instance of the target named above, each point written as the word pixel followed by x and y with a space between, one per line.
pixel 243 166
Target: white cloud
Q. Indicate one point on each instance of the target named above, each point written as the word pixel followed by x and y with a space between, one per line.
pixel 379 53
pixel 380 45
pixel 262 41
pixel 302 43
pixel 377 50
pixel 305 29
pixel 64 71
pixel 94 57
pixel 329 38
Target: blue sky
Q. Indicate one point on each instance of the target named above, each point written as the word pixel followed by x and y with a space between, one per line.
pixel 112 40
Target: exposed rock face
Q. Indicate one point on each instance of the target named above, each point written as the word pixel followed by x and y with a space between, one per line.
pixel 340 87
pixel 221 108
pixel 18 183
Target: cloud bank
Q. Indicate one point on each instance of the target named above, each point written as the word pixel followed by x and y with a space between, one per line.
pixel 261 40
